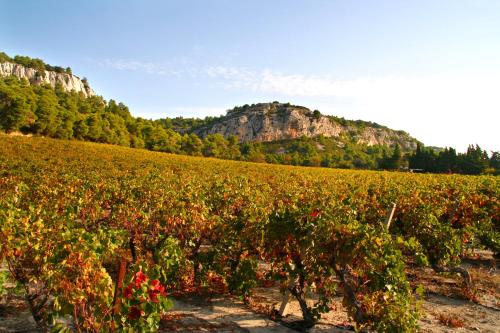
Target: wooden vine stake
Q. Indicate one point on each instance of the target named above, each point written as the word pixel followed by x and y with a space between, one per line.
pixel 119 285
pixel 390 215
pixel 285 303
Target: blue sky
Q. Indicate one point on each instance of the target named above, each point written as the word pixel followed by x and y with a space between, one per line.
pixel 431 68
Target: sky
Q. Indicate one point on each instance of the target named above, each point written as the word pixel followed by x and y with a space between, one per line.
pixel 430 68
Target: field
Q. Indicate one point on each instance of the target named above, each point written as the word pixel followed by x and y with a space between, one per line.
pixel 100 238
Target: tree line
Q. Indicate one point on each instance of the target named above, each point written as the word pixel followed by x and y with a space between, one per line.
pixel 54 112
pixel 474 161
pixel 34 63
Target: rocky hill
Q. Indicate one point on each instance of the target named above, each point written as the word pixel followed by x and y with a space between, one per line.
pixel 266 122
pixel 38 76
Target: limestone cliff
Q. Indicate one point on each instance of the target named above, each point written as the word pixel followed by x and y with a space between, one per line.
pixel 68 82
pixel 266 122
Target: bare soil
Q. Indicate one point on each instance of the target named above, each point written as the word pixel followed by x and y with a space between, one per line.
pixel 447 307
pixel 15 316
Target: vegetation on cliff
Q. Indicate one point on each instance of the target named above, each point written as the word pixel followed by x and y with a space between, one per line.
pixel 34 63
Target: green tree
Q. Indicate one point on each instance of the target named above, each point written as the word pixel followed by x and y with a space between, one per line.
pixel 396 157
pixel 47 112
pixel 94 128
pixel 316 114
pixel 232 150
pixel 5 58
pixel 192 144
pixel 214 145
pixel 447 161
pixel 495 161
pixel 474 161
pixel 16 105
pixel 423 158
pixel 392 162
pixel 80 129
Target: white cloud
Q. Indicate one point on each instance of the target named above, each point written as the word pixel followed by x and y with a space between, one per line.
pixel 130 65
pixel 439 110
pixel 163 111
pixel 196 111
pixel 141 66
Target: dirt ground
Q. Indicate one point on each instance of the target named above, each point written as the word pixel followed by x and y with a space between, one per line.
pixel 15 317
pixel 446 308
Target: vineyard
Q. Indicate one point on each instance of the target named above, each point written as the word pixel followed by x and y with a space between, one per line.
pixel 99 237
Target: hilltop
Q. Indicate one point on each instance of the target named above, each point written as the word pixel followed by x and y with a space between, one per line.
pixel 37 72
pixel 267 122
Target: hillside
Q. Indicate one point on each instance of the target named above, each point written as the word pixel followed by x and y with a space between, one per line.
pixel 262 122
pixel 40 99
pixel 265 122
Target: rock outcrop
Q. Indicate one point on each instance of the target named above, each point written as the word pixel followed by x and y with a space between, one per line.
pixel 266 122
pixel 68 82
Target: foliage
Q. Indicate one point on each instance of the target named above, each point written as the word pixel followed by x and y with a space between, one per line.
pixel 392 162
pixel 244 278
pixel 34 63
pixel 473 162
pixel 144 301
pixel 71 211
pixel 4 275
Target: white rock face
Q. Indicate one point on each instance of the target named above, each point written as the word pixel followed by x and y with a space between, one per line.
pixel 272 121
pixel 68 82
pixel 265 123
